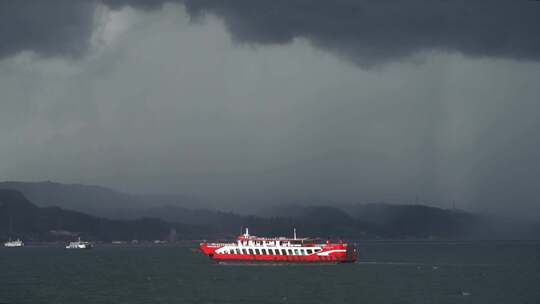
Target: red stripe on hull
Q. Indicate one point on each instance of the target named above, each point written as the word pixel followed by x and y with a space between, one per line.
pixel 271 258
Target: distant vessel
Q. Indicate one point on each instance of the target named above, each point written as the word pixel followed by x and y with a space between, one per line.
pixel 79 245
pixel 11 244
pixel 281 249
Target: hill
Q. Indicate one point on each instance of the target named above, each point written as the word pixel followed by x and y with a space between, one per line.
pixel 94 200
pixel 375 221
pixel 105 214
pixel 20 218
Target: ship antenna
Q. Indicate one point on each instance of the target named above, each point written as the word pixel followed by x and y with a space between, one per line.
pixel 247 232
pixel 10 226
pixel 294 233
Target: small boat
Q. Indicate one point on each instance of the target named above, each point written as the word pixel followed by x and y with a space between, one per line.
pixel 251 248
pixel 13 244
pixel 79 245
pixel 10 243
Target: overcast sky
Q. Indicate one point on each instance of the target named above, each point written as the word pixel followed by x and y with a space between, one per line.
pixel 277 101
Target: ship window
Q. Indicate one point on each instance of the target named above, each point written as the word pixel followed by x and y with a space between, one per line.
pixel 309 251
pixel 258 251
pixel 302 252
pixel 244 251
pixel 250 251
pixel 272 251
pixel 290 251
pixel 296 252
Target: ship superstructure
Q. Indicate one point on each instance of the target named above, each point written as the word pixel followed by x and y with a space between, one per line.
pixel 79 245
pixel 13 244
pixel 281 249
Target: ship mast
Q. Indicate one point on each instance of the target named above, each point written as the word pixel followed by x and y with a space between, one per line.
pixel 10 226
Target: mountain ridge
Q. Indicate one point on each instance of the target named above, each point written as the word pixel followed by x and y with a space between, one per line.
pixel 367 221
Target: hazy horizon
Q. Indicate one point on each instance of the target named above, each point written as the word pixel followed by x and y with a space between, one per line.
pixel 252 102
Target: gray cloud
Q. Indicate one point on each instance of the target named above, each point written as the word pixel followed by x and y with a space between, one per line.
pixel 49 28
pixel 376 31
pixel 166 105
pixel 366 32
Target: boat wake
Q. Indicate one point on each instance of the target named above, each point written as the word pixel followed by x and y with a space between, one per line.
pixel 434 266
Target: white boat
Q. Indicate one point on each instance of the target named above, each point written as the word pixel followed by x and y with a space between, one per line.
pixel 11 244
pixel 79 245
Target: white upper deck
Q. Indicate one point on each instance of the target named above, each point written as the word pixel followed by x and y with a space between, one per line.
pixel 251 240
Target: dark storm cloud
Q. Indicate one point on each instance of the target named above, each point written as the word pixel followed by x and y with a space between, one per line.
pixel 157 105
pixel 50 28
pixel 374 31
pixel 366 32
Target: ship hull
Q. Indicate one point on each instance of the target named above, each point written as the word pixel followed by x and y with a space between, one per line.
pixel 249 248
pixel 12 246
pixel 282 260
pixel 330 254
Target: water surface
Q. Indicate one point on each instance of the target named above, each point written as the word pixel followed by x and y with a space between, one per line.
pixel 387 272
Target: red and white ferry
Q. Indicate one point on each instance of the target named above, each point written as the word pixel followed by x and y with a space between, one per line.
pixel 281 249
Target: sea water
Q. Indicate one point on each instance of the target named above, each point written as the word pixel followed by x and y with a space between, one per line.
pixel 387 272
